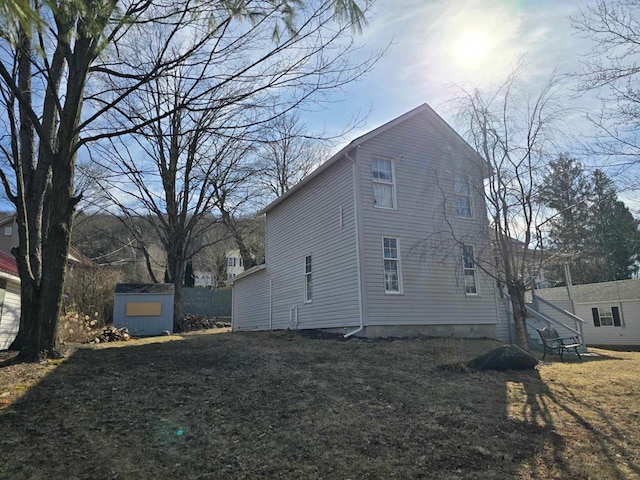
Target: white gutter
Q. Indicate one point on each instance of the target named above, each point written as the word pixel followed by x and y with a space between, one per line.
pixel 9 276
pixel 356 218
pixel 270 304
pixel 233 308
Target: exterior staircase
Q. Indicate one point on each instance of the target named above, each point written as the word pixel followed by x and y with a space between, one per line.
pixel 542 313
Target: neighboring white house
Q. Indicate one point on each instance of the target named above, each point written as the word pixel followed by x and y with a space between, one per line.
pixel 203 278
pixel 9 300
pixel 611 310
pixel 235 264
pixel 382 239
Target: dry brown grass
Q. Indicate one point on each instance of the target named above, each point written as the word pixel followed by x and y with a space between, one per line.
pixel 284 405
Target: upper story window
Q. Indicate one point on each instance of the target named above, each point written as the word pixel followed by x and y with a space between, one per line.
pixel 469 270
pixel 308 280
pixel 391 259
pixel 462 193
pixel 606 317
pixel 384 187
pixel 231 261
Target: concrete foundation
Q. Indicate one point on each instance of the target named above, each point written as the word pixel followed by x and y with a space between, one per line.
pixel 444 331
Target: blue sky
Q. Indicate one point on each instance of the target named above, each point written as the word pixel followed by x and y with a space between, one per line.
pixel 434 44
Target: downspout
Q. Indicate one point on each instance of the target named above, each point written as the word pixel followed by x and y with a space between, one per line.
pixel 233 307
pixel 270 304
pixel 356 217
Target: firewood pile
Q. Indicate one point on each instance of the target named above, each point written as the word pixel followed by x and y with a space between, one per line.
pixel 202 322
pixel 112 334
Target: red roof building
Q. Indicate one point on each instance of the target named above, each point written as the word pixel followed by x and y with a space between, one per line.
pixel 8 263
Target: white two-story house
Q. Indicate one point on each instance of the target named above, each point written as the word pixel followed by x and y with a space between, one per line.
pixel 381 240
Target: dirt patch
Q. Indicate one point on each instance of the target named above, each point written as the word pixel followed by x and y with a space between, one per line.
pixel 282 405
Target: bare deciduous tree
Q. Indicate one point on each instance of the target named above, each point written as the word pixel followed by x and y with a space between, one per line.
pixel 611 69
pixel 516 134
pixel 197 158
pixel 44 72
pixel 289 153
pixel 53 105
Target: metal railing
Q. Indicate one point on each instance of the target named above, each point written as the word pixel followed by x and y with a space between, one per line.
pixel 550 321
pixel 577 321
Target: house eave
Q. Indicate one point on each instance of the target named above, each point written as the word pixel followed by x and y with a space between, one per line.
pixel 246 273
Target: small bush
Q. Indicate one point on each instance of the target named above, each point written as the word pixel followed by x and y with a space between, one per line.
pixel 75 327
pixel 89 291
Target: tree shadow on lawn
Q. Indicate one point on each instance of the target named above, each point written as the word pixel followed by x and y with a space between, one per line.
pixel 269 406
pixel 569 357
pixel 598 446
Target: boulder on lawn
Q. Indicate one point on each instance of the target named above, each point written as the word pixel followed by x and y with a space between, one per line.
pixel 507 357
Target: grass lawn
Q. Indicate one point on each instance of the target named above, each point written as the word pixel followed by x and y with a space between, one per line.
pixel 286 405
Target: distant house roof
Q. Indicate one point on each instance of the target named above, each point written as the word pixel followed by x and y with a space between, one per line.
pixel 596 292
pixel 8 264
pixel 76 256
pixel 145 288
pixel 424 109
pixel 6 219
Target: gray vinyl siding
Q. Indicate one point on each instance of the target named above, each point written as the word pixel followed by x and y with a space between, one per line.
pixel 504 321
pixel 308 223
pixel 251 302
pixel 426 158
pixel 10 315
pixel 627 334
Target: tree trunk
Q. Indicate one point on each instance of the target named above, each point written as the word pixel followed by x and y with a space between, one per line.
pixel 516 291
pixel 175 269
pixel 178 312
pixel 41 307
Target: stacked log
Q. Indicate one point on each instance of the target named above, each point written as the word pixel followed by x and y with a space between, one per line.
pixel 202 322
pixel 112 334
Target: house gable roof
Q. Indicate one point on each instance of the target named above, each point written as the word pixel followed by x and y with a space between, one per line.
pixel 422 109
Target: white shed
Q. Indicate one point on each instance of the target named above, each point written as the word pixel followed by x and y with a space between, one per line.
pixel 145 309
pixel 9 300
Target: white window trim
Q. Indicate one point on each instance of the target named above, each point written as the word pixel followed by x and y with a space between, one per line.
pixel 400 285
pixel 610 314
pixel 393 184
pixel 470 196
pixel 310 274
pixel 475 271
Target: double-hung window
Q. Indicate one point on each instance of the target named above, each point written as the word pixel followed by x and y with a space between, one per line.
pixel 391 259
pixel 384 188
pixel 308 281
pixel 462 195
pixel 469 270
pixel 606 316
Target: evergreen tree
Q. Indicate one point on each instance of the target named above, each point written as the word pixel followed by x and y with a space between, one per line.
pixel 567 190
pixel 593 230
pixel 615 240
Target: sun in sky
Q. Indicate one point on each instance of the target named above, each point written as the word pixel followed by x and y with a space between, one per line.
pixel 471 48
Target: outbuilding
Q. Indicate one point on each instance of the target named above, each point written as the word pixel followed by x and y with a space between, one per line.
pixel 9 300
pixel 145 309
pixel 611 310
